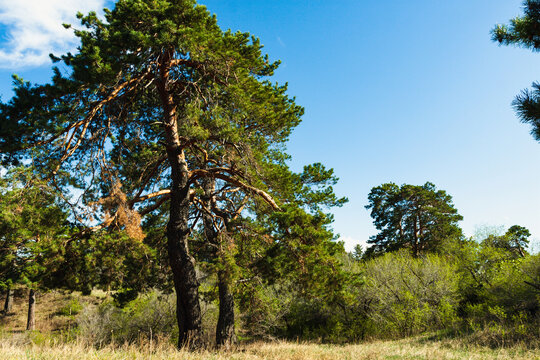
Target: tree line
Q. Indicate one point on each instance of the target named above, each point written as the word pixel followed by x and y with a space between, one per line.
pixel 155 158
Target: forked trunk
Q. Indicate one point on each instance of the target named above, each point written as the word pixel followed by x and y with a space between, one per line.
pixel 31 323
pixel 225 334
pixel 8 304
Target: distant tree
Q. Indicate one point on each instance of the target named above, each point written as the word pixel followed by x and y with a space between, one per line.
pixel 416 217
pixel 518 239
pixel 358 252
pixel 524 31
pixel 515 240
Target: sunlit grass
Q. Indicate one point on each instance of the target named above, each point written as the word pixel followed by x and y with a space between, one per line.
pixel 23 347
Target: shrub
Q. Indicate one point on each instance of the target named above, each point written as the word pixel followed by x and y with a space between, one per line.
pixel 403 295
pixel 73 307
pixel 150 315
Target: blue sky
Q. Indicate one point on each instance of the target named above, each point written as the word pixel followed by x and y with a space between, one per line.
pixel 396 91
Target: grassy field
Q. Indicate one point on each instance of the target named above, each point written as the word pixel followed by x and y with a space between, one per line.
pixel 417 348
pixel 49 342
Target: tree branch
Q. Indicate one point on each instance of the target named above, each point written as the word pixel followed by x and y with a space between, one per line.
pixel 212 174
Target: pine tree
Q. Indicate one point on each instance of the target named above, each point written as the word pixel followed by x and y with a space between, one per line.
pixel 420 218
pixel 156 98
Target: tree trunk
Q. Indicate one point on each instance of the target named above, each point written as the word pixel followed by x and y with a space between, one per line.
pixel 225 335
pixel 31 324
pixel 415 238
pixel 8 304
pixel 186 284
pixel 188 311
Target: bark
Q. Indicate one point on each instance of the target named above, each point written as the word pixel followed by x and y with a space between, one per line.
pixel 8 304
pixel 31 324
pixel 225 334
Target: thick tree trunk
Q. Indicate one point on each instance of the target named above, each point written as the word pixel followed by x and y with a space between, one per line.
pixel 186 284
pixel 8 304
pixel 31 324
pixel 225 334
pixel 188 311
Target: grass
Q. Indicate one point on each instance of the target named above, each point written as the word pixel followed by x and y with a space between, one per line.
pixel 24 348
pixel 53 340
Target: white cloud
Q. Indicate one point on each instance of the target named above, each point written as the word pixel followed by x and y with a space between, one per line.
pixel 33 29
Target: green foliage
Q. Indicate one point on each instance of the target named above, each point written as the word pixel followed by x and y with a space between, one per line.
pixel 123 296
pixel 72 308
pixel 291 277
pixel 109 260
pixel 394 295
pixel 522 31
pixel 499 288
pixel 420 218
pixel 404 295
pixel 32 227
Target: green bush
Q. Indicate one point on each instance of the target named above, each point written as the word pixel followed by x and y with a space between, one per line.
pixel 500 292
pixel 150 316
pixel 404 295
pixel 73 307
pixel 395 295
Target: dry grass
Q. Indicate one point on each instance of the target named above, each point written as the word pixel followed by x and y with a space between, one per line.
pixel 24 347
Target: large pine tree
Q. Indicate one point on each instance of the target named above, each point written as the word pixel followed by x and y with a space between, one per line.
pixel 156 98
